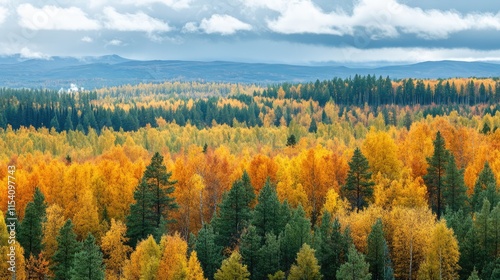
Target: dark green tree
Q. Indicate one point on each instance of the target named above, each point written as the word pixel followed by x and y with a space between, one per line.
pixel 141 220
pixel 454 189
pixel 266 215
pixel 378 254
pixel 30 230
pixel 356 268
pixel 485 187
pixel 209 254
pixel 269 257
pixel 296 233
pixel 313 127
pixel 434 179
pixel 291 141
pixel 67 247
pixel 359 186
pixel 87 263
pixel 249 249
pixel 234 213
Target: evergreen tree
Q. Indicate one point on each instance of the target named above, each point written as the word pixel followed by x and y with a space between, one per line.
pixel 209 254
pixel 30 230
pixel 356 268
pixel 306 266
pixel 485 187
pixel 269 257
pixel 473 275
pixel 141 221
pixel 266 215
pixel 67 247
pixel 232 269
pixel 87 263
pixel 454 189
pixel 68 123
pixel 234 214
pixel 55 123
pixel 313 127
pixel 378 255
pixel 291 141
pixel 296 233
pixel 359 186
pixel 249 248
pixel 434 179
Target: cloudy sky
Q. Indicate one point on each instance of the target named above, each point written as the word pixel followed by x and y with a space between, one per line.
pixel 271 31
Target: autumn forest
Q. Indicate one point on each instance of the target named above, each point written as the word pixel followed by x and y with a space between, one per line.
pixel 358 178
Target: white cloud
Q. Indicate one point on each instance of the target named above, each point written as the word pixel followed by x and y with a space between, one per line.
pixel 27 53
pixel 223 24
pixel 174 4
pixel 55 18
pixel 190 27
pixel 114 42
pixel 376 18
pixel 133 22
pixel 3 14
pixel 87 39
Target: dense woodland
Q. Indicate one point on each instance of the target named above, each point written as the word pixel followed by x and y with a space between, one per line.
pixel 361 178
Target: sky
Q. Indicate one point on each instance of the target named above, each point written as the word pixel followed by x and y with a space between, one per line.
pixel 304 32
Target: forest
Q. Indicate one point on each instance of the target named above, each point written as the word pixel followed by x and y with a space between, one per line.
pixel 359 178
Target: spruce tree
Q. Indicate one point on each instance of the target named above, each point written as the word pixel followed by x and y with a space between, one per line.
pixel 269 257
pixel 434 179
pixel 313 127
pixel 141 221
pixel 209 254
pixel 485 187
pixel 359 186
pixel 378 255
pixel 234 214
pixel 356 268
pixel 30 230
pixel 88 263
pixel 454 189
pixel 249 248
pixel 67 247
pixel 266 215
pixel 296 233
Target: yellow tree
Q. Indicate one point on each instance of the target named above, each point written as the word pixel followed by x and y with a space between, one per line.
pixel 173 263
pixel 115 250
pixel 144 261
pixel 382 154
pixel 11 261
pixel 86 219
pixel 441 260
pixel 51 226
pixel 194 270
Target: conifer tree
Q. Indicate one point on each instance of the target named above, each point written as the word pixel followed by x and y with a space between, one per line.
pixel 141 221
pixel 30 231
pixel 306 266
pixel 484 188
pixel 209 254
pixel 356 268
pixel 249 248
pixel 434 179
pixel 266 215
pixel 296 233
pixel 269 257
pixel 87 263
pixel 454 189
pixel 359 186
pixel 67 247
pixel 234 214
pixel 232 269
pixel 378 255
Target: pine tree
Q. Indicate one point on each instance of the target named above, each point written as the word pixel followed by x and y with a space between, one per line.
pixel 356 268
pixel 141 220
pixel 454 189
pixel 269 257
pixel 249 247
pixel 67 246
pixel 434 179
pixel 30 231
pixel 296 233
pixel 306 266
pixel 484 188
pixel 234 214
pixel 378 255
pixel 291 141
pixel 313 127
pixel 209 254
pixel 331 246
pixel 87 263
pixel 473 275
pixel 232 269
pixel 266 215
pixel 359 186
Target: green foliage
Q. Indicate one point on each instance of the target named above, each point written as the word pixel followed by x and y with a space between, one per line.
pixel 249 247
pixel 359 186
pixel 291 141
pixel 67 247
pixel 435 177
pixel 209 254
pixel 356 268
pixel 141 220
pixel 484 188
pixel 234 212
pixel 296 233
pixel 266 215
pixel 232 269
pixel 279 275
pixel 87 263
pixel 378 253
pixel 473 275
pixel 30 230
pixel 269 257
pixel 306 266
pixel 454 189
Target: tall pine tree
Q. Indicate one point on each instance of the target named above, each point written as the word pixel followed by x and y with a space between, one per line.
pixel 266 215
pixel 359 186
pixel 454 189
pixel 141 221
pixel 87 263
pixel 209 254
pixel 484 188
pixel 355 268
pixel 30 230
pixel 434 179
pixel 67 247
pixel 378 254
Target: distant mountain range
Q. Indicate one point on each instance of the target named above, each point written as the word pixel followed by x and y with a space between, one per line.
pixel 111 70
